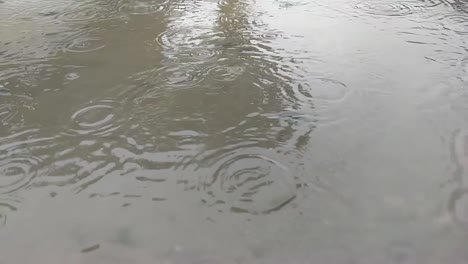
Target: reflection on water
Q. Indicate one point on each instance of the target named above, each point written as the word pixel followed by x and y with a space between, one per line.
pixel 233 131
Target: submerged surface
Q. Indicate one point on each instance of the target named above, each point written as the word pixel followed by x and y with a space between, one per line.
pixel 233 131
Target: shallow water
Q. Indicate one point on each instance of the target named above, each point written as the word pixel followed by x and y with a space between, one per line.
pixel 233 131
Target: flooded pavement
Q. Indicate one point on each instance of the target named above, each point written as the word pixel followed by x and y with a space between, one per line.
pixel 233 131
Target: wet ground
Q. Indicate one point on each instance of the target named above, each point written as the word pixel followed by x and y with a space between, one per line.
pixel 233 131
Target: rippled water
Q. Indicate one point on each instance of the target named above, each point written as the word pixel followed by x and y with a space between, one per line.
pixel 233 131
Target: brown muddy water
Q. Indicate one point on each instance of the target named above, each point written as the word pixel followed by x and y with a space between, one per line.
pixel 234 131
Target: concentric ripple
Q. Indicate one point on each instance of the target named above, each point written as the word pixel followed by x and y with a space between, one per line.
pixel 226 73
pixel 457 23
pixel 249 183
pixel 171 76
pixel 170 38
pixel 17 172
pixel 141 7
pixel 78 15
pixel 324 89
pixel 291 4
pixel 388 8
pixel 85 44
pixel 99 118
pixel 187 76
pixel 86 12
pixel 189 43
pixel 203 54
pixel 226 4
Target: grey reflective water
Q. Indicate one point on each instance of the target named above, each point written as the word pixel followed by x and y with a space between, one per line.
pixel 233 131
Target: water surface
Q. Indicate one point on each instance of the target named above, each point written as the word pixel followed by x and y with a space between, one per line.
pixel 233 131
